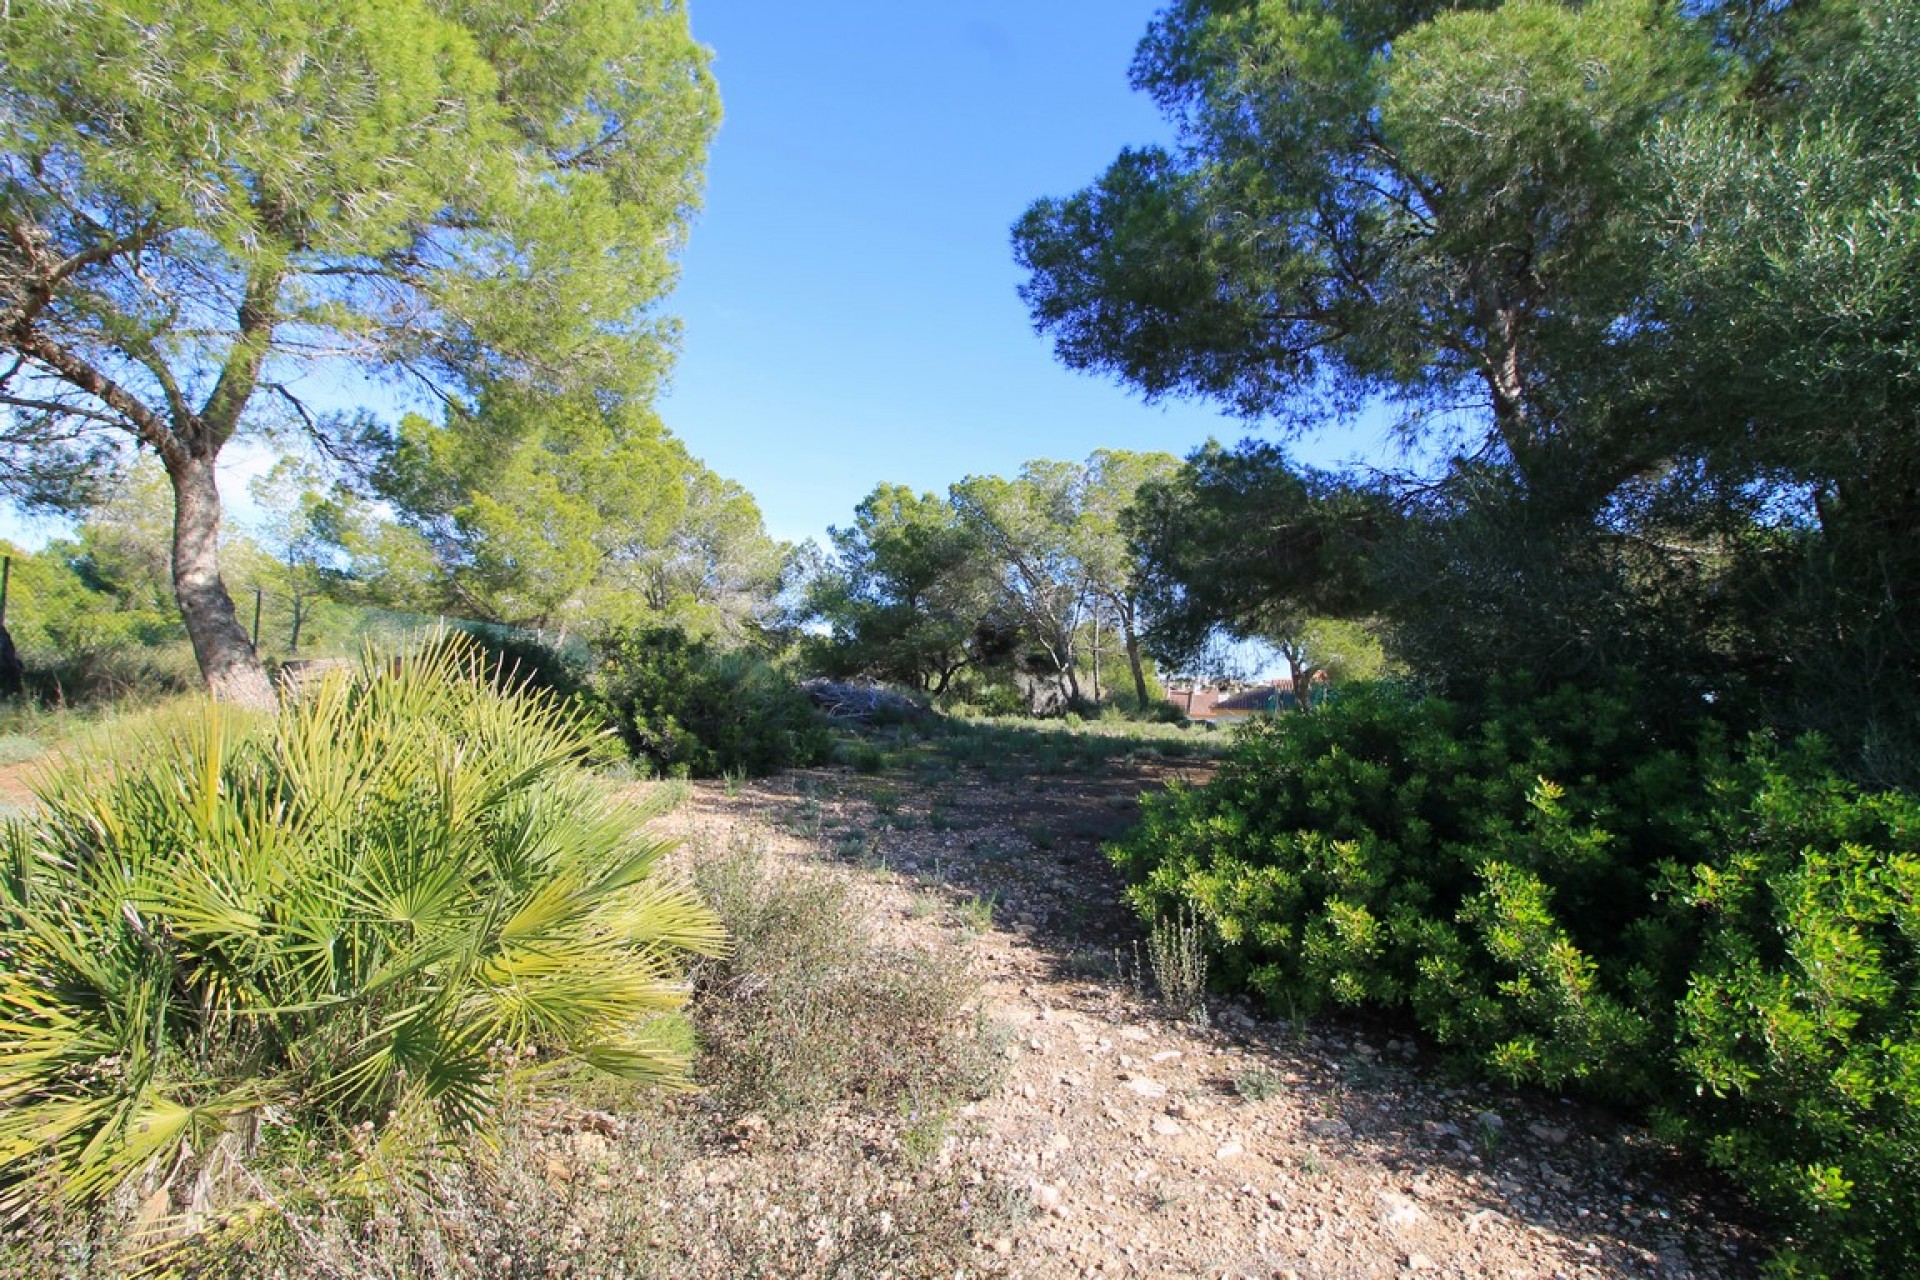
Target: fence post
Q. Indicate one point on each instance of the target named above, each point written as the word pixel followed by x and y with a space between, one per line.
pixel 256 617
pixel 12 674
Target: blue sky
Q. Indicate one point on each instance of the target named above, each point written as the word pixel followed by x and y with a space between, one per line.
pixel 848 292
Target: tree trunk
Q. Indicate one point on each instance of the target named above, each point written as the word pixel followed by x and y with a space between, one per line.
pixel 1130 637
pixel 12 672
pixel 1138 667
pixel 1300 675
pixel 227 659
pixel 1096 655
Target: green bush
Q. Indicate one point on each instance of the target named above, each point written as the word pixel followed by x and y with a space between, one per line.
pixel 686 708
pixel 1802 1025
pixel 1729 937
pixel 513 659
pixel 1490 873
pixel 344 925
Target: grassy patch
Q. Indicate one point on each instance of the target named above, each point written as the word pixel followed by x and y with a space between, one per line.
pixel 810 1011
pixel 1257 1084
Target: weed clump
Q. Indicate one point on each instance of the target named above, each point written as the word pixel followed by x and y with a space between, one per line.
pixel 809 1012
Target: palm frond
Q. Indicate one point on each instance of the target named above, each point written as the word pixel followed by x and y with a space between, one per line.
pixel 357 910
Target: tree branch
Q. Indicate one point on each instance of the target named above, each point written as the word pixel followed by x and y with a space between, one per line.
pixel 135 415
pixel 46 275
pixel 143 351
pixel 55 408
pixel 240 373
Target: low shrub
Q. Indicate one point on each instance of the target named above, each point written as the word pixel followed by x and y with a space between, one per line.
pixel 107 667
pixel 1802 1022
pixel 1490 875
pixel 1726 936
pixel 686 708
pixel 809 1011
pixel 342 928
pixel 515 659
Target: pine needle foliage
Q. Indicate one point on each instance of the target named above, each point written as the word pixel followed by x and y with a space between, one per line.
pixel 347 924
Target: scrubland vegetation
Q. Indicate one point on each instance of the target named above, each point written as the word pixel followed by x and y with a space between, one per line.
pixel 367 988
pixel 1609 787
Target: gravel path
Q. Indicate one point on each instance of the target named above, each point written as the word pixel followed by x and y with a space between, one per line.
pixel 1153 1146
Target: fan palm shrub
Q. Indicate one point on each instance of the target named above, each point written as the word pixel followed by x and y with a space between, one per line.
pixel 343 926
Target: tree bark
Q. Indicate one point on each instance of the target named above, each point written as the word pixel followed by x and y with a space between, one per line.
pixel 1300 674
pixel 1132 639
pixel 1096 655
pixel 12 672
pixel 227 659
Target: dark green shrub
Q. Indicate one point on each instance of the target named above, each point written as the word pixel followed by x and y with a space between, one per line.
pixel 515 659
pixel 1803 1021
pixel 1728 936
pixel 685 707
pixel 1491 872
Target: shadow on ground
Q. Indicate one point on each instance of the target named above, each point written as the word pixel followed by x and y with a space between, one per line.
pixel 1002 827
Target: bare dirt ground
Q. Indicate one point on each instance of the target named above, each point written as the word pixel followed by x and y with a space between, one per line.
pixel 1152 1146
pixel 16 783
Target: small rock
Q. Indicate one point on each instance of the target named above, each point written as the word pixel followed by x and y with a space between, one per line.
pixel 1401 1211
pixel 1552 1135
pixel 1166 1055
pixel 1329 1127
pixel 1480 1219
pixel 1419 1262
pixel 1441 1129
pixel 1229 1150
pixel 1167 1127
pixel 1147 1088
pixel 1135 1033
